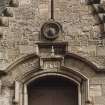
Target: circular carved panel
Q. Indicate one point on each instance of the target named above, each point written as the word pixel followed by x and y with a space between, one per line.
pixel 51 30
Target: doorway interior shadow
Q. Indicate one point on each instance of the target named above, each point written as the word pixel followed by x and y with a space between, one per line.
pixel 52 90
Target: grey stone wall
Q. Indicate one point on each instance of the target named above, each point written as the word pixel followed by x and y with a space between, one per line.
pixel 19 34
pixel 3 5
pixel 79 26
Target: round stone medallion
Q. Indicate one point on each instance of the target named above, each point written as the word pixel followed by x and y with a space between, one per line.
pixel 51 30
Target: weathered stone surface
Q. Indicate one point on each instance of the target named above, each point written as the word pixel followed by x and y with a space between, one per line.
pixel 103 90
pixel 3 5
pixel 78 25
pixel 95 90
pixel 98 80
pixel 14 3
pixel 4 21
pixel 25 2
pixel 20 70
pixel 5 97
pixel 24 49
pixel 8 12
pixel 22 31
pixel 100 51
pixel 99 100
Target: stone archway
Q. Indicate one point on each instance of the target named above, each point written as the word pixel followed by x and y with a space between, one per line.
pixel 81 84
pixel 53 90
pixel 28 69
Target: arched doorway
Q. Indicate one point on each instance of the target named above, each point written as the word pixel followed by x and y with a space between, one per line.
pixel 52 90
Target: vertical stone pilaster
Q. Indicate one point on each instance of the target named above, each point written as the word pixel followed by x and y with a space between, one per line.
pixel 17 92
pixel 21 96
pixel 25 95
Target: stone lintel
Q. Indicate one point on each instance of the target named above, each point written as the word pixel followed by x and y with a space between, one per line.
pixel 59 47
pixel 40 43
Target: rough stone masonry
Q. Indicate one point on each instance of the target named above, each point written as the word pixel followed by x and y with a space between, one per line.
pixel 82 28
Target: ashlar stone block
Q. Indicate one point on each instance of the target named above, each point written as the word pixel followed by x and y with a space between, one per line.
pixel 99 101
pixel 95 90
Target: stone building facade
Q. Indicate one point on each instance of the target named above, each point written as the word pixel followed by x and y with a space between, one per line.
pixel 55 40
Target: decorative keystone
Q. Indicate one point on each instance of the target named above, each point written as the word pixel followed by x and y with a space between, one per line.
pixel 4 21
pixel 8 12
pixel 14 3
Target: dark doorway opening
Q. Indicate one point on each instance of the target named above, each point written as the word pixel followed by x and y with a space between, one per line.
pixel 52 90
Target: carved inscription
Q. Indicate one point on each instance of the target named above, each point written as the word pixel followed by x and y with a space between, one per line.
pixel 51 65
